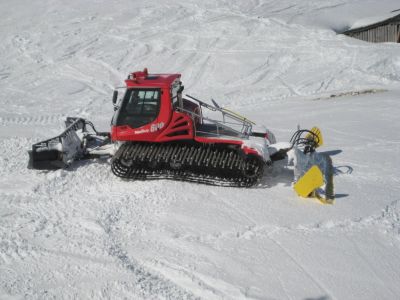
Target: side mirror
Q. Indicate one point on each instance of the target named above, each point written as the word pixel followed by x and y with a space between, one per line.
pixel 115 97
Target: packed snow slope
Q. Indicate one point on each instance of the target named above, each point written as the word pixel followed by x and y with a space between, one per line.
pixel 83 233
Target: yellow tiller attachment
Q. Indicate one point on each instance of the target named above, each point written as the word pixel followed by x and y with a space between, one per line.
pixel 316 136
pixel 313 171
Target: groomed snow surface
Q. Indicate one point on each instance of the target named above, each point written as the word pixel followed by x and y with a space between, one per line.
pixel 83 233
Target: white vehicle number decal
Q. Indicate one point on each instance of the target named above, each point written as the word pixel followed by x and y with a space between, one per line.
pixel 156 127
pixel 153 128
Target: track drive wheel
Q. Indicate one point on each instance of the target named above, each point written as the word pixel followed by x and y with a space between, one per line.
pixel 253 168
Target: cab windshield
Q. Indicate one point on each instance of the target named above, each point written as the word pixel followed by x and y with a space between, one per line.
pixel 139 107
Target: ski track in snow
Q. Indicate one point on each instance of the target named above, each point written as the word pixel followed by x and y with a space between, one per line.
pixel 83 233
pixel 31 120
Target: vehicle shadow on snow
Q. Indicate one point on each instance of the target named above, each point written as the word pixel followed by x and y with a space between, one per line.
pixel 331 152
pixel 338 170
pixel 341 170
pixel 87 162
pixel 318 298
pixel 278 174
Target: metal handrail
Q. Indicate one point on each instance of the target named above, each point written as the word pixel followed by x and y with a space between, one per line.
pixel 246 124
pixel 223 111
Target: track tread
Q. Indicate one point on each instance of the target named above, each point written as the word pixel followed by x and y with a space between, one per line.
pixel 187 161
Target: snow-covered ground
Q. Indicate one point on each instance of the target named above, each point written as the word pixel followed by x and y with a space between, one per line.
pixel 83 233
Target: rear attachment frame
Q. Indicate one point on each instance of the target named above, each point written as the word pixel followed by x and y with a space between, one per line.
pixel 72 144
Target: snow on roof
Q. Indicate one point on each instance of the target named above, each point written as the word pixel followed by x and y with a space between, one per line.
pixel 374 20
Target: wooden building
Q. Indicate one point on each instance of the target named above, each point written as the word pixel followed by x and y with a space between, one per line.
pixel 375 31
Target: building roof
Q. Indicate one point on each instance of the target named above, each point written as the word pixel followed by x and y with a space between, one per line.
pixel 367 23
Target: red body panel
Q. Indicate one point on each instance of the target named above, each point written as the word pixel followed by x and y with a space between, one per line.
pixel 170 125
pixel 179 128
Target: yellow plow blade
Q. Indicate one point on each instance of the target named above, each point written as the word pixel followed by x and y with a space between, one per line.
pixel 309 182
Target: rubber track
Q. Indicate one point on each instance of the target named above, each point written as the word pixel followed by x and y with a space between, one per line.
pixel 203 163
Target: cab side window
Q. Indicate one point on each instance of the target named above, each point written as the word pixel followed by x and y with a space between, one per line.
pixel 175 96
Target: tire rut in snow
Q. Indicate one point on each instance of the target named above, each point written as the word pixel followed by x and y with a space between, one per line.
pixel 149 285
pixel 31 120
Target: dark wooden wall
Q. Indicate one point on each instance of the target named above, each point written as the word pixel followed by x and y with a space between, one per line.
pixel 380 34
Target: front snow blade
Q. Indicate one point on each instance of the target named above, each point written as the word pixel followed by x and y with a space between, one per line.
pixel 313 173
pixel 309 182
pixel 58 152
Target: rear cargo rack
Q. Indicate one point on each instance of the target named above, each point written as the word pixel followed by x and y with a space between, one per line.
pixel 224 126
